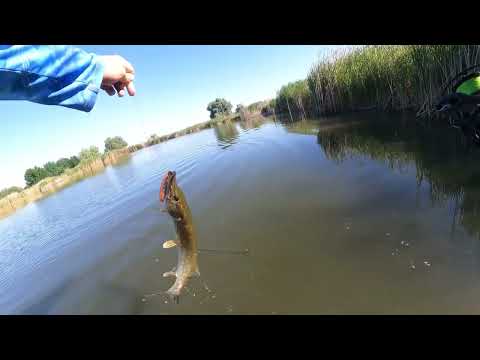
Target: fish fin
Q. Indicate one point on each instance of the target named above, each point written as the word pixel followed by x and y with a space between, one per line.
pixel 169 274
pixel 174 293
pixel 169 244
pixel 174 297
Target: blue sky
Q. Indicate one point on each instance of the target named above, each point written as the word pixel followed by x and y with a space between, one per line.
pixel 174 85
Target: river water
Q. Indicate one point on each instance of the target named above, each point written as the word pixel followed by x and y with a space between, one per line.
pixel 359 214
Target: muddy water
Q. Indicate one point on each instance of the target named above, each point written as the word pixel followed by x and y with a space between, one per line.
pixel 361 214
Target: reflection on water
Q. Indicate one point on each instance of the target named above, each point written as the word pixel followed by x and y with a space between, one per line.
pixel 252 122
pixel 440 155
pixel 359 214
pixel 226 133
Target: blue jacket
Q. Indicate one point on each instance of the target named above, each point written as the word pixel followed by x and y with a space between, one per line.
pixel 50 75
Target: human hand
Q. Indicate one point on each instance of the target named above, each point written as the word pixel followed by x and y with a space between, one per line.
pixel 118 74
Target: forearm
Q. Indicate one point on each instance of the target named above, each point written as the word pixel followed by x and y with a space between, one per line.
pixel 50 75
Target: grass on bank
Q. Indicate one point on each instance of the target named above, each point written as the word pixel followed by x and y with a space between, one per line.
pixel 389 77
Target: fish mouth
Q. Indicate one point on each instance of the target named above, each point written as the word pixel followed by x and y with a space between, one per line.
pixel 166 185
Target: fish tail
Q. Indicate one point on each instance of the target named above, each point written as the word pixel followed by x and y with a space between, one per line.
pixel 173 293
pixel 175 289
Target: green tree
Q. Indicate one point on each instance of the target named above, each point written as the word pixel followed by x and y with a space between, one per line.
pixel 153 139
pixel 63 164
pixel 219 107
pixel 114 143
pixel 66 163
pixel 52 169
pixel 239 108
pixel 74 161
pixel 89 154
pixel 34 175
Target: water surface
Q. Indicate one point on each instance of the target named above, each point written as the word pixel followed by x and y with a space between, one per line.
pixel 360 214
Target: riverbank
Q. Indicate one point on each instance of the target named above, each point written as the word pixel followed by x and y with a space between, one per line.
pixel 155 139
pixel 385 78
pixel 17 200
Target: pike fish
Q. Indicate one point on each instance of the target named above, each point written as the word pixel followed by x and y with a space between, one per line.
pixel 186 241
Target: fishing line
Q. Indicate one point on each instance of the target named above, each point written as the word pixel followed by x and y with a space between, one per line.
pixel 176 298
pixel 232 252
pixel 205 286
pixel 154 294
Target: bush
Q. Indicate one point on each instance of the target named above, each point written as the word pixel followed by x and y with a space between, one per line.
pixel 114 143
pixel 153 140
pixel 219 107
pixel 89 154
pixel 135 147
pixel 53 169
pixel 65 163
pixel 34 175
pixel 10 190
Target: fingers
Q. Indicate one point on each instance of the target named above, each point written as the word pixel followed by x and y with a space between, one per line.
pixel 129 83
pixel 128 77
pixel 108 89
pixel 131 89
pixel 118 77
pixel 128 67
pixel 120 87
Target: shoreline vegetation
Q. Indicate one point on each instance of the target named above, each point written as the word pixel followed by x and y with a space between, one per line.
pixel 382 77
pixel 91 161
pixel 47 186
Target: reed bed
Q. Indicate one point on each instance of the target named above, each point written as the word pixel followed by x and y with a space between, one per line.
pixel 385 77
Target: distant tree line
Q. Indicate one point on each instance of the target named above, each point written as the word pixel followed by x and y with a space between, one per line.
pixel 51 168
pixel 221 107
pixel 35 174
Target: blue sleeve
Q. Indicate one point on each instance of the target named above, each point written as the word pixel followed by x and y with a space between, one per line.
pixel 50 75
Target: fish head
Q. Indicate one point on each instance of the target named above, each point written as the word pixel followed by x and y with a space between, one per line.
pixel 170 193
